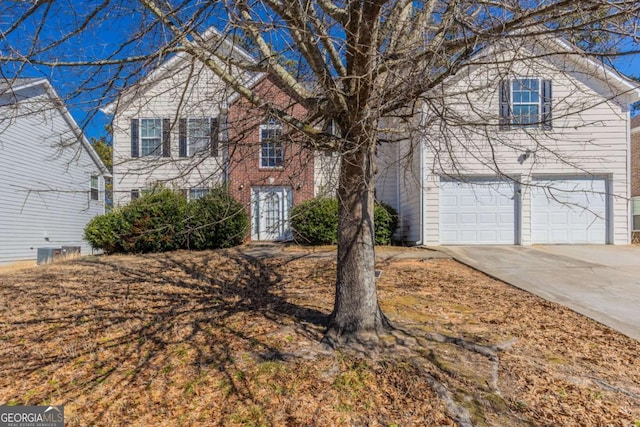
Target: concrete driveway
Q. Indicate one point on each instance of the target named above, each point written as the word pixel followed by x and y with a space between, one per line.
pixel 601 282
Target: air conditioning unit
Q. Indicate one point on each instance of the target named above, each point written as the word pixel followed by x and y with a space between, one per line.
pixel 48 255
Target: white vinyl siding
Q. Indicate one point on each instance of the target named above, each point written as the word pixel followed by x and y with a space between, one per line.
pixel 589 136
pixel 201 92
pixel 49 208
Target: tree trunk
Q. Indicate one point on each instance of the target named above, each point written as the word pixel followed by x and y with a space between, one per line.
pixel 356 314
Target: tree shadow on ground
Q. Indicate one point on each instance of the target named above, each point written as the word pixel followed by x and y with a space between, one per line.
pixel 139 320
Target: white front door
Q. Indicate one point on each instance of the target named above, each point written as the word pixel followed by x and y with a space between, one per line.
pixel 569 210
pixel 478 211
pixel 270 213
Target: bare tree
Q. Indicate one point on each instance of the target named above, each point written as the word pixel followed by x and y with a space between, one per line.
pixel 372 67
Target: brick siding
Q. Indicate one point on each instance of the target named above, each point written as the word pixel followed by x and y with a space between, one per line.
pixel 245 172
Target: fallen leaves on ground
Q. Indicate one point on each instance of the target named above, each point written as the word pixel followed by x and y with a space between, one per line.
pixel 224 338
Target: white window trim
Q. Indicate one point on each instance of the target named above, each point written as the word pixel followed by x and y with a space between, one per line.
pixel 208 119
pixel 512 118
pixel 270 127
pixel 92 188
pixel 140 137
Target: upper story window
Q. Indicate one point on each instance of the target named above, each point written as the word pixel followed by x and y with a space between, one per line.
pixel 271 147
pixel 95 187
pixel 198 136
pixel 525 102
pixel 150 137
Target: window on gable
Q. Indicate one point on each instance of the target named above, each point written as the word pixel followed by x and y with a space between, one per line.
pixel 271 147
pixel 525 102
pixel 95 188
pixel 198 135
pixel 150 137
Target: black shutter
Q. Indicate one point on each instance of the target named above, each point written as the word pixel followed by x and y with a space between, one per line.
pixel 182 138
pixel 135 134
pixel 505 95
pixel 213 136
pixel 224 127
pixel 547 95
pixel 166 138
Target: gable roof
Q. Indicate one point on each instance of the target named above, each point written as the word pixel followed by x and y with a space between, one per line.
pixel 9 88
pixel 222 44
pixel 606 73
pixel 621 85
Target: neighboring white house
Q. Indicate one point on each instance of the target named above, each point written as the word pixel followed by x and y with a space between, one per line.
pixel 534 149
pixel 51 179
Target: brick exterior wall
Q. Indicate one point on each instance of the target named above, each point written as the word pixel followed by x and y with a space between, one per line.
pixel 245 170
pixel 635 156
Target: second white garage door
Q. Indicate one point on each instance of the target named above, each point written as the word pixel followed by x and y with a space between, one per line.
pixel 477 211
pixel 569 210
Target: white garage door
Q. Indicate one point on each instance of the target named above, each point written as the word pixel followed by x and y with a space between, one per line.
pixel 572 210
pixel 478 211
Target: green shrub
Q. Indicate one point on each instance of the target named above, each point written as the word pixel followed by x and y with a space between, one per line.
pixel 105 231
pixel 315 222
pixel 163 221
pixel 156 222
pixel 216 221
pixel 386 221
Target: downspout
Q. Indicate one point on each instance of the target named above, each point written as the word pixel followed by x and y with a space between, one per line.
pixel 628 195
pixel 421 152
pixel 399 192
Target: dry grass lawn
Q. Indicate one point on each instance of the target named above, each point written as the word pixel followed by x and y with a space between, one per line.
pixel 223 338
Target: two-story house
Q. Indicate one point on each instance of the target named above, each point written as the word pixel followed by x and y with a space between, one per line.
pixel 183 128
pixel 529 144
pixel 51 179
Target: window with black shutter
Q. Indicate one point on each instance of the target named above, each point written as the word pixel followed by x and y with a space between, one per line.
pixel 525 102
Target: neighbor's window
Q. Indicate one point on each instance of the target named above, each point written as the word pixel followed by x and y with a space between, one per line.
pixel 271 148
pixel 150 137
pixel 198 135
pixel 95 188
pixel 525 102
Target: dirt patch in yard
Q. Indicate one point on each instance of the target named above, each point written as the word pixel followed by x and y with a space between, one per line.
pixel 222 338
